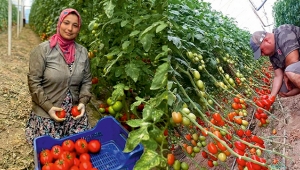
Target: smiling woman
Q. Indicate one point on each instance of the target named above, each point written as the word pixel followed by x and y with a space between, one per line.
pixel 59 78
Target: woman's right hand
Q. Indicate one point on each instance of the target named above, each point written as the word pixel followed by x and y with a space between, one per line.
pixel 53 114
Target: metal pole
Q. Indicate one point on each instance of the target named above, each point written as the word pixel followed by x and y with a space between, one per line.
pixel 9 27
pixel 22 13
pixel 18 20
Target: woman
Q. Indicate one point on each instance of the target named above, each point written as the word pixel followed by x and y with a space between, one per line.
pixel 59 77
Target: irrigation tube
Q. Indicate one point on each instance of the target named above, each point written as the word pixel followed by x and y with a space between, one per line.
pixel 9 27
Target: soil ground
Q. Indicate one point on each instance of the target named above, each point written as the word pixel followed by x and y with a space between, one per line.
pixel 16 154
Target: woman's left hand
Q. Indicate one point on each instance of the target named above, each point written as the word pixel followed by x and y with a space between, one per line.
pixel 80 107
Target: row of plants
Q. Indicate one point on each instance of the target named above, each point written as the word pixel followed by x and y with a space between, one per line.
pixel 4 15
pixel 176 74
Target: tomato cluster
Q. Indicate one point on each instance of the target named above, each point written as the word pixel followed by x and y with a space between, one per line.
pixel 70 155
pixel 264 102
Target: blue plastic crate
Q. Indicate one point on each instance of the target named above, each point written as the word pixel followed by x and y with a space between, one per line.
pixel 112 136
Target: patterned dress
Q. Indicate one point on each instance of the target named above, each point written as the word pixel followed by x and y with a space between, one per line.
pixel 39 126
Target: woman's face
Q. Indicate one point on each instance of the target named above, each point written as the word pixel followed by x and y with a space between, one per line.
pixel 69 27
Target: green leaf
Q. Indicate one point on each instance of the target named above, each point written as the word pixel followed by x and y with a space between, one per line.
pixel 171 99
pixel 150 113
pixel 109 8
pixel 134 33
pixel 123 23
pixel 118 92
pixel 147 41
pixel 125 45
pixel 137 123
pixel 161 27
pixel 150 159
pixel 161 77
pixel 135 137
pixel 132 71
pixel 150 144
pixel 148 29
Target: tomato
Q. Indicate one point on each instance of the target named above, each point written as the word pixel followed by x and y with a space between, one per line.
pixel 85 165
pixel 45 156
pixel 68 145
pixel 204 154
pixel 239 145
pixel 241 161
pixel 74 111
pixel 109 101
pixel 117 106
pixel 177 117
pixel 240 133
pixel 188 137
pixel 111 110
pixel 74 168
pixel 76 161
pixel 81 146
pixel 248 133
pixel 186 121
pixel 221 147
pixel 170 159
pixel 184 166
pixel 222 157
pixel 210 163
pixel 94 146
pixel 212 148
pixel 240 152
pixel 217 117
pixel 68 157
pixel 84 157
pixel 61 164
pixel 235 106
pixel 95 80
pixel 56 150
pixel 257 139
pixel 61 114
pixel 140 107
pixel 48 166
pixel 176 165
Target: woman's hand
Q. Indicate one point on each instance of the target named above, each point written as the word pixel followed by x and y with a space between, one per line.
pixel 80 107
pixel 52 113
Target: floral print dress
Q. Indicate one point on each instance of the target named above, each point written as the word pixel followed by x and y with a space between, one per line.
pixel 39 126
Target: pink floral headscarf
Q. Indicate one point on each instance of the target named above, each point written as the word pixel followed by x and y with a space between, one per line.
pixel 66 46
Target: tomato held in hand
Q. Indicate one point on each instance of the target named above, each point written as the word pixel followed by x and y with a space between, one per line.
pixel 61 114
pixel 74 111
pixel 94 146
pixel 81 146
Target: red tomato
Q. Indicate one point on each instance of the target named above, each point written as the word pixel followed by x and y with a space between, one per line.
pixel 84 157
pixel 61 164
pixel 61 114
pixel 240 132
pixel 46 156
pixel 94 146
pixel 212 148
pixel 217 117
pixel 76 161
pixel 239 145
pixel 85 165
pixel 74 111
pixel 48 166
pixel 56 150
pixel 95 80
pixel 171 159
pixel 81 146
pixel 68 145
pixel 74 168
pixel 68 157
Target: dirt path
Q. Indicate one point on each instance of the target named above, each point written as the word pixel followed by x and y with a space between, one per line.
pixel 15 153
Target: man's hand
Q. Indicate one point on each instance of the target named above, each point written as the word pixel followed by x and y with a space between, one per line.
pixel 53 115
pixel 80 107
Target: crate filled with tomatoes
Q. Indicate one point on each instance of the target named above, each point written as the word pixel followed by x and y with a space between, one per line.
pixel 98 148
